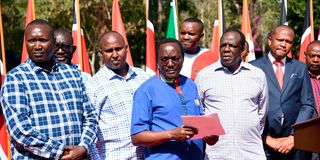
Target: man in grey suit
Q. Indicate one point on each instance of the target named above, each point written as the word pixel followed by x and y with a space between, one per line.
pixel 290 95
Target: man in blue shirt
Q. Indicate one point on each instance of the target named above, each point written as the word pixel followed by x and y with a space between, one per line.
pixel 158 106
pixel 47 111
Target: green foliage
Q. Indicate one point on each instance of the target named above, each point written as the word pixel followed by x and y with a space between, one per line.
pixel 96 19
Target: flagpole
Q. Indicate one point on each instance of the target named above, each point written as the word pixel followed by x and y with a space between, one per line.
pixel 2 44
pixel 79 47
pixel 311 20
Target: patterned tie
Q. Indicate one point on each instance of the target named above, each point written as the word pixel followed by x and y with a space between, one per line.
pixel 279 72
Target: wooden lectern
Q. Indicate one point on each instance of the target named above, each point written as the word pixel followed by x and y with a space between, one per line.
pixel 307 135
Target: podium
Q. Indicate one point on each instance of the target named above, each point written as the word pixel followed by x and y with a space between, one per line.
pixel 307 135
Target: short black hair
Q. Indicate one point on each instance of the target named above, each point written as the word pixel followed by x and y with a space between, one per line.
pixel 168 40
pixel 64 32
pixel 41 22
pixel 195 20
pixel 242 37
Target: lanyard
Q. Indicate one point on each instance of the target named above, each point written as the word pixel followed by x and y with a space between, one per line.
pixel 181 96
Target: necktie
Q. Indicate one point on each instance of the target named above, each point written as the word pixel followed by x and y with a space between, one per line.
pixel 279 72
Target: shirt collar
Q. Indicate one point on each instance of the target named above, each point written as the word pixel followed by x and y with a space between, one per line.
pixel 314 76
pixel 111 75
pixel 272 59
pixel 37 68
pixel 243 65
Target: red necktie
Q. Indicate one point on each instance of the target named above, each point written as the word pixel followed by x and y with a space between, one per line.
pixel 279 72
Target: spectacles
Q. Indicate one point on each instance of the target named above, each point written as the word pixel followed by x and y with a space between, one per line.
pixel 65 47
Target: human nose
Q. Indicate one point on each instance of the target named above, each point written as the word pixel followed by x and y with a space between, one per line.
pixel 37 45
pixel 170 63
pixel 114 54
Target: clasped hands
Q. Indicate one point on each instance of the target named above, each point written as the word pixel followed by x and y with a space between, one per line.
pixel 283 145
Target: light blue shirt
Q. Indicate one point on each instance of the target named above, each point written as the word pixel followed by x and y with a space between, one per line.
pixel 112 97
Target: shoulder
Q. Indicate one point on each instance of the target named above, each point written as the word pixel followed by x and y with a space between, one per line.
pixel 208 69
pixel 140 72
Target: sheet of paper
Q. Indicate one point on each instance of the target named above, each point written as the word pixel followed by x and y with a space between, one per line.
pixel 207 125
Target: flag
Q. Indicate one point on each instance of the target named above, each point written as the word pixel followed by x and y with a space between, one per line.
pixel 218 30
pixel 212 55
pixel 4 138
pixel 80 57
pixel 30 16
pixel 283 14
pixel 151 63
pixel 307 35
pixel 246 30
pixel 117 25
pixel 172 29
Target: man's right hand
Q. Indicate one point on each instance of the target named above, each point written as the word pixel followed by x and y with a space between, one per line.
pixel 183 133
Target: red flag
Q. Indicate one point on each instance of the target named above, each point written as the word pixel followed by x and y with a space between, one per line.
pixel 307 35
pixel 151 64
pixel 4 138
pixel 218 30
pixel 117 25
pixel 81 55
pixel 246 30
pixel 30 16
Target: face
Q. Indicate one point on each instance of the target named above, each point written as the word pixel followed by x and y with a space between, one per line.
pixel 280 42
pixel 313 58
pixel 190 36
pixel 64 48
pixel 170 60
pixel 113 51
pixel 231 50
pixel 39 43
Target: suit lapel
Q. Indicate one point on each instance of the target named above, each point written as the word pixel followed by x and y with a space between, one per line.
pixel 287 73
pixel 270 72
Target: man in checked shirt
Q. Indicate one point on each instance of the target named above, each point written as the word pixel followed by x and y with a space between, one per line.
pixel 111 91
pixel 47 111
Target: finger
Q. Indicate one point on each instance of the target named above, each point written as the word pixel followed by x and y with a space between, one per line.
pixel 66 157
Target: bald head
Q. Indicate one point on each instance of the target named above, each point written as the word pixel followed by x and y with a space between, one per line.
pixel 279 28
pixel 111 34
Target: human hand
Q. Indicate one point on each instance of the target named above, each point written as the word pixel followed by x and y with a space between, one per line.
pixel 286 144
pixel 272 142
pixel 74 153
pixel 211 140
pixel 183 133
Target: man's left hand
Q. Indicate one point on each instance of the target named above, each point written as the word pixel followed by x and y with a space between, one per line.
pixel 74 153
pixel 286 145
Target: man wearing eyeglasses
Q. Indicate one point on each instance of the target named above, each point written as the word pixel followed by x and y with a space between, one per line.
pixel 65 49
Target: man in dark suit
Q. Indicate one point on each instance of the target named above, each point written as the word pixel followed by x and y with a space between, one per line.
pixel 290 95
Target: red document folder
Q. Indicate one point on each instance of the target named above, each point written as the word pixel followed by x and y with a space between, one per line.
pixel 207 125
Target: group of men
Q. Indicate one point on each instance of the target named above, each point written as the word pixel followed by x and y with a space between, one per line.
pixel 55 111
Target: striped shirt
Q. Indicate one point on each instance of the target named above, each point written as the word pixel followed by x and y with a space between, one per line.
pixel 112 96
pixel 315 82
pixel 240 99
pixel 46 111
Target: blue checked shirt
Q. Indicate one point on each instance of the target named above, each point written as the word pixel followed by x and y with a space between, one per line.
pixel 45 111
pixel 112 96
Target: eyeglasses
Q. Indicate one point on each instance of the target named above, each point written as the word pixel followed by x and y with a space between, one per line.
pixel 65 47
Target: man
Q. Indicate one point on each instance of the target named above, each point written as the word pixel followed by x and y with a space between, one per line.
pixel 191 33
pixel 313 62
pixel 111 91
pixel 65 50
pixel 238 92
pixel 158 106
pixel 47 111
pixel 290 95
